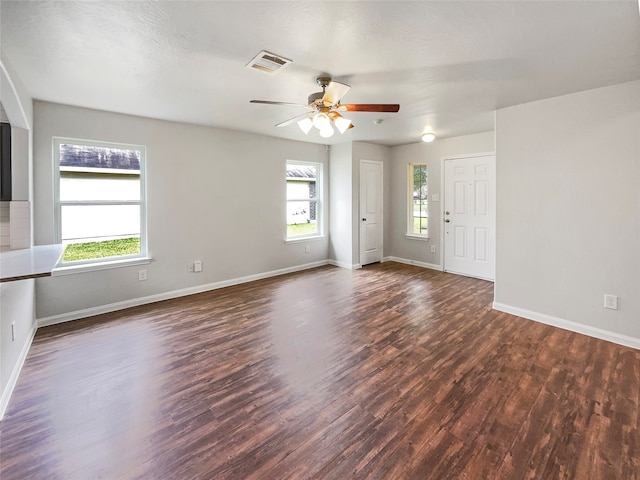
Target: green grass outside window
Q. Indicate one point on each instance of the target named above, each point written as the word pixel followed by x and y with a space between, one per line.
pixel 107 248
pixel 300 229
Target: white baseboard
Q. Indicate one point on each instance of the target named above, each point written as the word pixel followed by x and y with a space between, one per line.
pixel 134 302
pixel 335 263
pixel 569 325
pixel 432 266
pixel 15 373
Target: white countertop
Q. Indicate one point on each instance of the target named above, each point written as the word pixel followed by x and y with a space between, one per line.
pixel 32 262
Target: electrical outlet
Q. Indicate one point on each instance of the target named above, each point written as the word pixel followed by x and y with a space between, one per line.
pixel 433 249
pixel 307 249
pixel 142 275
pixel 610 301
pixel 197 265
pixel 190 267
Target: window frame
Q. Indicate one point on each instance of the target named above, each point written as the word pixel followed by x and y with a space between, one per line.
pixel 410 206
pixel 318 199
pixel 105 262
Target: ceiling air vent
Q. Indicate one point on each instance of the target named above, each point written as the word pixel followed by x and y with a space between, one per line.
pixel 268 62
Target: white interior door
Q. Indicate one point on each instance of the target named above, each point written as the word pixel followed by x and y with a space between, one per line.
pixel 370 212
pixel 469 216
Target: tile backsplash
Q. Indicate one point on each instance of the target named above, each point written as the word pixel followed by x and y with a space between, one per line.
pixel 5 226
pixel 15 225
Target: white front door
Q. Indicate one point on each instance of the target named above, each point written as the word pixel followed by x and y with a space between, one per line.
pixel 469 216
pixel 370 212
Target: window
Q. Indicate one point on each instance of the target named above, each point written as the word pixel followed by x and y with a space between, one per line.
pixel 418 211
pixel 304 192
pixel 100 200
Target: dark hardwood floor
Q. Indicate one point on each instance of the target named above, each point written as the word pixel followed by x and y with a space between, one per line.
pixel 389 372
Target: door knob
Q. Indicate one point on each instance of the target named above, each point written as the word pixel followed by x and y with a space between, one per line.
pixel 364 219
pixel 447 212
pixel 447 221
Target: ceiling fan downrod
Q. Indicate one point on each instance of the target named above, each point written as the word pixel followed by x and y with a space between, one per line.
pixel 323 82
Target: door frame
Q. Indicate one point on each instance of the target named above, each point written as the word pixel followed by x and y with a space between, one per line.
pixel 443 196
pixel 381 199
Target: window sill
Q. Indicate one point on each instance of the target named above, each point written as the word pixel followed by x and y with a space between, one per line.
pixel 92 267
pixel 310 238
pixel 417 237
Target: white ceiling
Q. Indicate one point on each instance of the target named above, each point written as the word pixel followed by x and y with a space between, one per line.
pixel 448 64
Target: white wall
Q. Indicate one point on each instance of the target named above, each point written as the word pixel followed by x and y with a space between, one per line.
pixel 20 164
pixel 214 195
pixel 568 209
pixel 16 302
pixel 432 154
pixel 16 102
pixel 341 205
pixel 17 308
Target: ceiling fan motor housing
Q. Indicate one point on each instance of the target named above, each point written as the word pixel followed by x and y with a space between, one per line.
pixel 316 97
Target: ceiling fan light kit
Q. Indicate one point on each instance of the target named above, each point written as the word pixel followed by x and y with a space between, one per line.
pixel 326 132
pixel 321 121
pixel 306 124
pixel 341 123
pixel 325 106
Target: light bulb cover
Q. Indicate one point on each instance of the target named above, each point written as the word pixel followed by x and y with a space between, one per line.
pixel 428 137
pixel 306 124
pixel 342 124
pixel 326 132
pixel 321 121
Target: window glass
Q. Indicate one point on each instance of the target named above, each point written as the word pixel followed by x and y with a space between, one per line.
pixel 100 200
pixel 418 218
pixel 303 199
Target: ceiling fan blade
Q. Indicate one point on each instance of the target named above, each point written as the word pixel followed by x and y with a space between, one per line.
pixel 334 92
pixel 268 102
pixel 297 118
pixel 369 107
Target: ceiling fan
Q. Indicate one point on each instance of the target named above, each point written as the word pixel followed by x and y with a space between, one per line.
pixel 325 109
